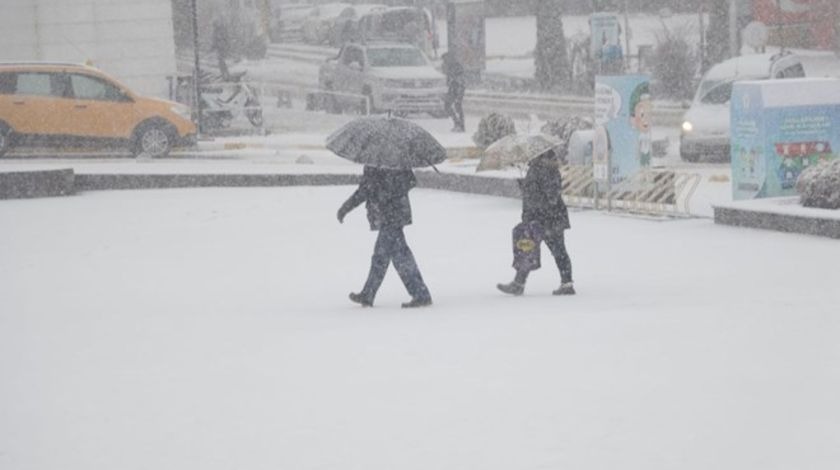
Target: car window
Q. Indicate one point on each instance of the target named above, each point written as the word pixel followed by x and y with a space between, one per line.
pixel 86 87
pixel 35 84
pixel 8 81
pixel 721 94
pixel 396 57
pixel 794 71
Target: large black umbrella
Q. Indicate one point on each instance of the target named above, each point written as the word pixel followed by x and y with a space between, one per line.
pixel 386 142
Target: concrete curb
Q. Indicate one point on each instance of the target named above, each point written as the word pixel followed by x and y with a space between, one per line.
pixel 38 183
pixel 822 227
pixel 145 181
pixel 502 187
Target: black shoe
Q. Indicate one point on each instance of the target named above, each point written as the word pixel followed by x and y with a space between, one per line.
pixel 361 300
pixel 512 288
pixel 417 303
pixel 566 288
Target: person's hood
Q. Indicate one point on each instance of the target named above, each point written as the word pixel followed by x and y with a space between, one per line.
pixel 406 73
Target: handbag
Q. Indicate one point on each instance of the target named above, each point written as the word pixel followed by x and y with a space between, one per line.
pixel 527 238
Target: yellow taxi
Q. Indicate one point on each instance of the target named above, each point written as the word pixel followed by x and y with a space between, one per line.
pixel 56 104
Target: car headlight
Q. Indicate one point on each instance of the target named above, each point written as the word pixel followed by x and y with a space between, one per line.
pixel 182 111
pixel 687 127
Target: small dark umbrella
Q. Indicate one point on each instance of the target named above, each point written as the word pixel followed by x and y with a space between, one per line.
pixel 386 142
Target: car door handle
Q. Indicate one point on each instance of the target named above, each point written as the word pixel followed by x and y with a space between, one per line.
pixel 19 102
pixel 80 106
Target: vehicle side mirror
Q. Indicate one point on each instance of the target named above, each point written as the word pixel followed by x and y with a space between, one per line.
pixel 356 66
pixel 685 104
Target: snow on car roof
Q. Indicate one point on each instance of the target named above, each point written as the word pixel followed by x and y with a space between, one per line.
pixel 756 65
pixel 366 8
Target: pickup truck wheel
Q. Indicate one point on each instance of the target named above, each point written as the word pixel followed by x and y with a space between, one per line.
pixel 5 139
pixel 331 103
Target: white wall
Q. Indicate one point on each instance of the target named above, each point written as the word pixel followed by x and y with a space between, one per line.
pixel 131 40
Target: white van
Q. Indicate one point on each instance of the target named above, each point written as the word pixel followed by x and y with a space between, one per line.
pixel 705 127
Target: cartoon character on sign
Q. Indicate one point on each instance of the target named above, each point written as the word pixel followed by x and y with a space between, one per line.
pixel 640 108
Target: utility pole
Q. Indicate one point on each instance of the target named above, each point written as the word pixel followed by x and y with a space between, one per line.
pixel 626 39
pixel 733 28
pixel 702 39
pixel 779 21
pixel 197 66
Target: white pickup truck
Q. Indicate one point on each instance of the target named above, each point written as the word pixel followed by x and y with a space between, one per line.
pixel 382 77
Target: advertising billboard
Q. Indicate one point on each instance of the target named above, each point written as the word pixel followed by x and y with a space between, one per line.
pixel 779 128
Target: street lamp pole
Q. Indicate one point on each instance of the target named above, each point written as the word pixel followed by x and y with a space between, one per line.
pixel 733 28
pixel 196 66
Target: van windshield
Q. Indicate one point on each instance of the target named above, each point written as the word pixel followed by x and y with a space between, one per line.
pixel 720 94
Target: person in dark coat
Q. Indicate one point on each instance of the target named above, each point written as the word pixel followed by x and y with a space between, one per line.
pixel 456 84
pixel 542 202
pixel 220 42
pixel 385 194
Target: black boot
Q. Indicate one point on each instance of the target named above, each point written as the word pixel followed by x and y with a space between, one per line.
pixel 361 299
pixel 512 288
pixel 418 302
pixel 566 288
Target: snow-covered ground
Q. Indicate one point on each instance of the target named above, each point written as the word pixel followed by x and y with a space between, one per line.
pixel 210 329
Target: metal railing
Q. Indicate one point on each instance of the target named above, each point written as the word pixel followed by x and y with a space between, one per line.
pixel 650 192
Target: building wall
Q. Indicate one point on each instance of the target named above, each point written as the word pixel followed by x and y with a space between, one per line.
pixel 132 40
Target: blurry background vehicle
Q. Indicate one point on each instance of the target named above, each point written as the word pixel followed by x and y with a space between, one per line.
pixel 346 28
pixel 411 25
pixel 382 77
pixel 705 129
pixel 287 21
pixel 318 27
pixel 60 104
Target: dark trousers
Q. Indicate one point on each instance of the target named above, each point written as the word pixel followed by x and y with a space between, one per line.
pixel 392 247
pixel 455 106
pixel 556 242
pixel 223 68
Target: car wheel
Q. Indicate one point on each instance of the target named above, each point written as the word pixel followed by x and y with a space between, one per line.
pixel 153 140
pixel 5 139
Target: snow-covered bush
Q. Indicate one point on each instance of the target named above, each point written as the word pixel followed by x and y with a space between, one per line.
pixel 563 128
pixel 493 127
pixel 674 64
pixel 819 185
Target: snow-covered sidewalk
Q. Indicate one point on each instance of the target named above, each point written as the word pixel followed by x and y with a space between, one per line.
pixel 209 328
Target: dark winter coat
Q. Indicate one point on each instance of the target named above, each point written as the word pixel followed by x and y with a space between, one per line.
pixel 385 194
pixel 542 199
pixel 454 72
pixel 220 39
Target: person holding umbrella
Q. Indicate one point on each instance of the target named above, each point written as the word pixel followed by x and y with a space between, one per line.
pixel 389 148
pixel 544 213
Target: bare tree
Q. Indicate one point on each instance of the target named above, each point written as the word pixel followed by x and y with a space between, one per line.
pixel 551 57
